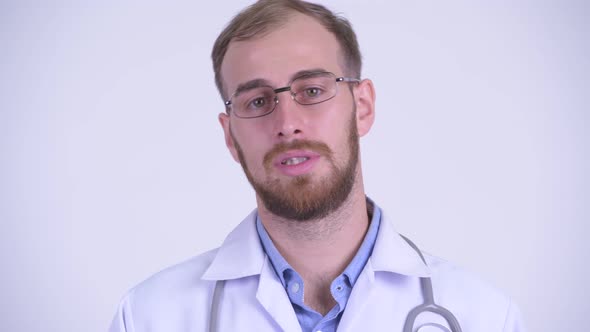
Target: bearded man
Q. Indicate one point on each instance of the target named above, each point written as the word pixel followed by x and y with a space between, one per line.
pixel 316 254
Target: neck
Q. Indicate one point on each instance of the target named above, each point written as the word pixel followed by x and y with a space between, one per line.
pixel 320 249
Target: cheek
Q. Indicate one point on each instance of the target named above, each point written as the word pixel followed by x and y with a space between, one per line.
pixel 339 124
pixel 348 136
pixel 249 144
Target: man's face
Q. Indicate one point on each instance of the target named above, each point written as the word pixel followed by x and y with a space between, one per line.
pixel 301 160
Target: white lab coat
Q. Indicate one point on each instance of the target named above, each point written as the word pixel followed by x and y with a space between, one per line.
pixel 179 298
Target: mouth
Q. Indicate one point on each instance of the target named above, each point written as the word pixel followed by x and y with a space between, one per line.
pixel 294 161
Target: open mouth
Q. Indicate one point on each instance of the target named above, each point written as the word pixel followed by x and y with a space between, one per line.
pixel 294 161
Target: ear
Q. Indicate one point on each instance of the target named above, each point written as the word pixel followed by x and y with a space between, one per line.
pixel 229 140
pixel 365 106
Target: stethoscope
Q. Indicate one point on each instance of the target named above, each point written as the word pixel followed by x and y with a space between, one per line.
pixel 428 305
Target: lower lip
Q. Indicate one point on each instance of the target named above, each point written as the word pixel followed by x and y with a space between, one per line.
pixel 299 169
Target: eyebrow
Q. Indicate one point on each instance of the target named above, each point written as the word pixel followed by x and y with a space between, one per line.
pixel 306 72
pixel 259 82
pixel 252 84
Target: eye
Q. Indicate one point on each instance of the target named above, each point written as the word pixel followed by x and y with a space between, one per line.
pixel 314 88
pixel 256 99
pixel 312 92
pixel 258 102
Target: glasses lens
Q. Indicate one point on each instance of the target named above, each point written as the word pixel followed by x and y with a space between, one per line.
pixel 254 102
pixel 314 88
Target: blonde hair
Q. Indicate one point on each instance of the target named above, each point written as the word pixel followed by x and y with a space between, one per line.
pixel 259 18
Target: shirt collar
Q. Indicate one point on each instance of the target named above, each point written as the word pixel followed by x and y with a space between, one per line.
pixel 354 268
pixel 279 263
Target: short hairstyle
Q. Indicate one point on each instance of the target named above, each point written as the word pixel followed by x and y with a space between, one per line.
pixel 258 19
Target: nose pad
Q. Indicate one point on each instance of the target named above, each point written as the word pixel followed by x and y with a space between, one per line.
pixel 277 99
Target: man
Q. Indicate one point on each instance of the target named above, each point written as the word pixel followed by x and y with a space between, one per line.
pixel 316 254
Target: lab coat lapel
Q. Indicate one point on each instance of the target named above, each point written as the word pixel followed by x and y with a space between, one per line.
pixel 361 293
pixel 391 254
pixel 240 255
pixel 273 297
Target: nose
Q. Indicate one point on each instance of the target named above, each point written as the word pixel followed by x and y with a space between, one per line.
pixel 288 118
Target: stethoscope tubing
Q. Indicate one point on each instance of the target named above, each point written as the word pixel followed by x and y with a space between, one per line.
pixel 428 304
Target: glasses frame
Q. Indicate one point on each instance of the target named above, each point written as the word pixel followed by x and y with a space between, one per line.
pixel 228 103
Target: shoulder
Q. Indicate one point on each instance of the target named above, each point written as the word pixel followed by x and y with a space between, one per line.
pixel 452 277
pixel 187 284
pixel 468 295
pixel 163 301
pixel 173 284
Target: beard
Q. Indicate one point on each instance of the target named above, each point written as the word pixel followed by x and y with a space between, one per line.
pixel 301 198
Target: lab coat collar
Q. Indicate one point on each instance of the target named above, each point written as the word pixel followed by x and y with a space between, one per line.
pixel 393 254
pixel 242 255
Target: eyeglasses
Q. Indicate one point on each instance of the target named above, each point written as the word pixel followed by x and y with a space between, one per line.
pixel 308 89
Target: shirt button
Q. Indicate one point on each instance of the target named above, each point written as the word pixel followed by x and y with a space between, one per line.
pixel 339 288
pixel 295 289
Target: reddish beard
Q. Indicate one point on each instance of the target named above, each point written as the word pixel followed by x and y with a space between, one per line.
pixel 301 198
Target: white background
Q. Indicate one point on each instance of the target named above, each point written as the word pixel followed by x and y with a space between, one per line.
pixel 113 164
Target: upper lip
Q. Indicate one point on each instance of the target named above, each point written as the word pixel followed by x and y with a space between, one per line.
pixel 294 154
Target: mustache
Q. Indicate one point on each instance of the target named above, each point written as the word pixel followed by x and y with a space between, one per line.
pixel 316 146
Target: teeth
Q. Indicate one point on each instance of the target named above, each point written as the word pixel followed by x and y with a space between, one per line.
pixel 294 161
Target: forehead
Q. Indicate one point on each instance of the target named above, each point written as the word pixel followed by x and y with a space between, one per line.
pixel 302 43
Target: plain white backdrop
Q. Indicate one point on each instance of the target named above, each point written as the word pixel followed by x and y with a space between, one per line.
pixel 113 164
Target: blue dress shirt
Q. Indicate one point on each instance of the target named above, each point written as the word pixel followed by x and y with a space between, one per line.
pixel 309 319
